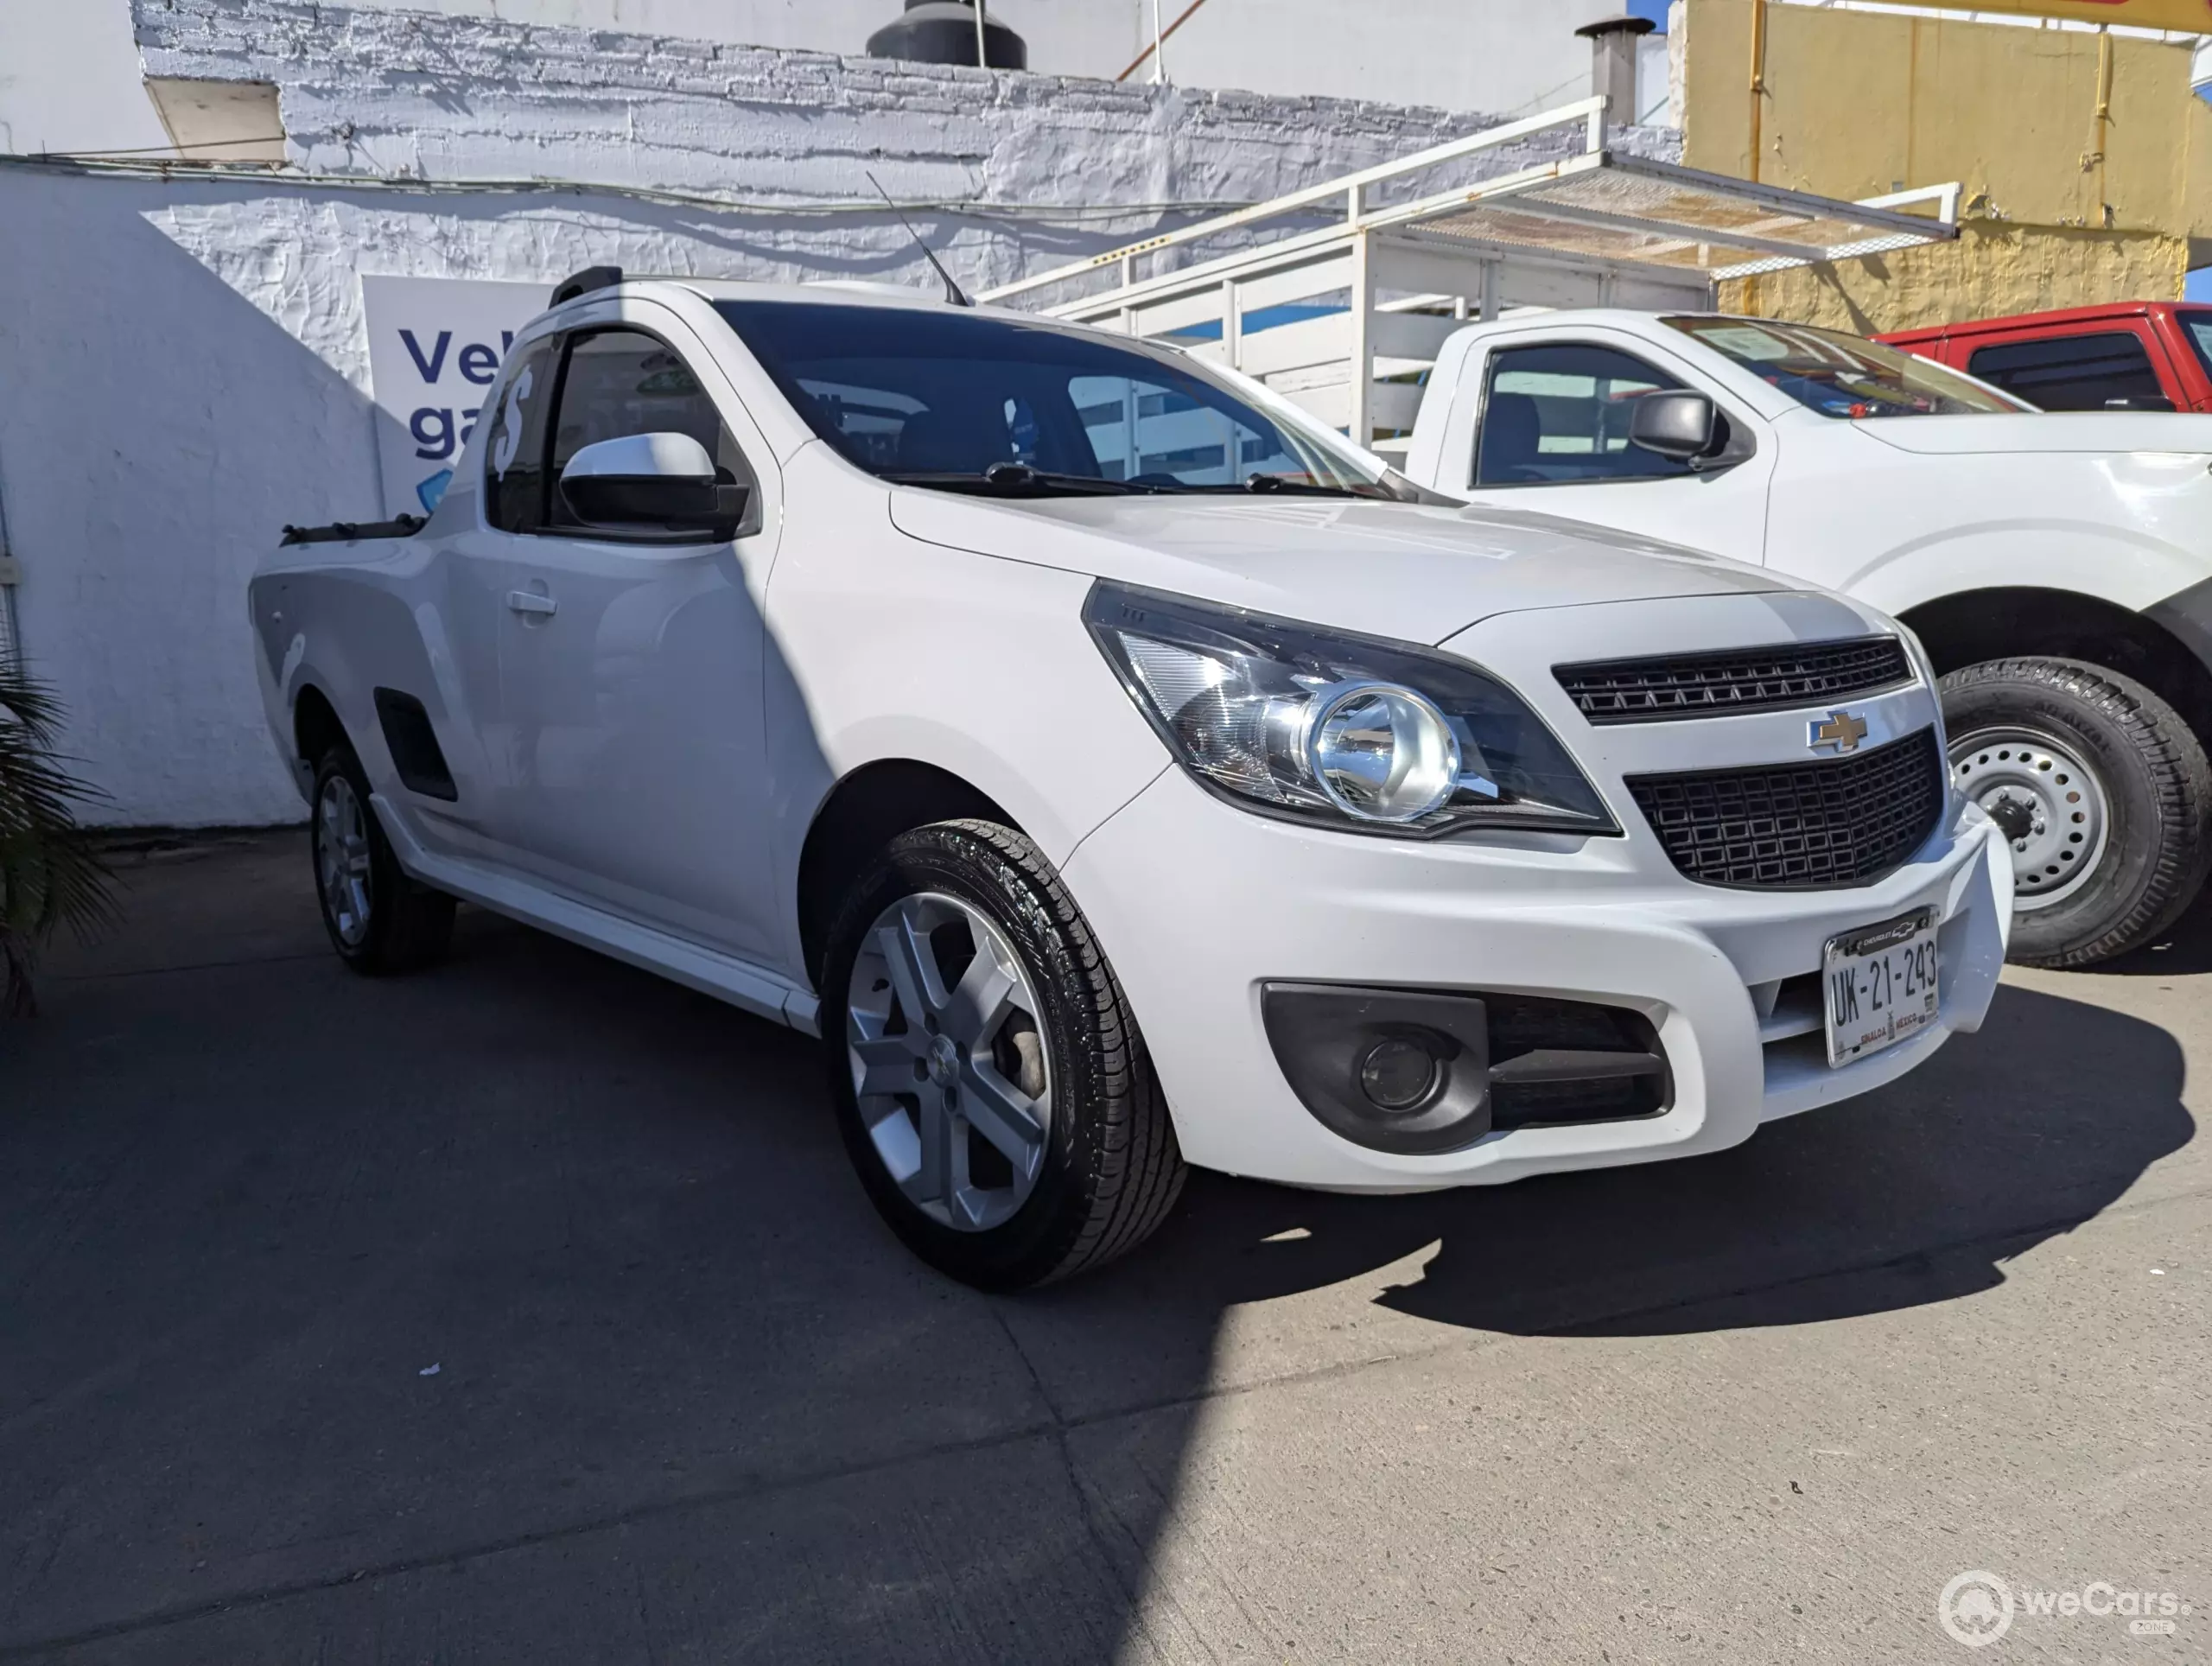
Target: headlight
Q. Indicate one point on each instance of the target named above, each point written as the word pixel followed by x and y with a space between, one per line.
pixel 1917 651
pixel 1344 730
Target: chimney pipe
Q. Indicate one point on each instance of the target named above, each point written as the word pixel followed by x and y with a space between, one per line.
pixel 1612 62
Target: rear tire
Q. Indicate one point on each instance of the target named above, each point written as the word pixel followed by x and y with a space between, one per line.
pixel 380 921
pixel 2103 793
pixel 991 1085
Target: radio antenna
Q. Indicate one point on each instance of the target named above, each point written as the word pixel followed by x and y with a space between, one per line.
pixel 953 292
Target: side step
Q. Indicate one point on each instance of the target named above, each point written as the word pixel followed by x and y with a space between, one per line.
pixel 740 982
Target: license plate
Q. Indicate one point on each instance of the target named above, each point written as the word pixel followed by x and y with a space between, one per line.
pixel 1880 982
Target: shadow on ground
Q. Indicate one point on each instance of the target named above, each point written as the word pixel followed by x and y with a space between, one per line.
pixel 2183 950
pixel 2003 1140
pixel 526 1309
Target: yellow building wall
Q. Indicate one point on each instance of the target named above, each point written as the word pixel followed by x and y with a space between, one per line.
pixel 2187 16
pixel 2061 208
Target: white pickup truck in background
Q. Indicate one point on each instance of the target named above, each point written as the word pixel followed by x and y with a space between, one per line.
pixel 2058 567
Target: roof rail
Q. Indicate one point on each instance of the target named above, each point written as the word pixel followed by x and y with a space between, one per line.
pixel 592 278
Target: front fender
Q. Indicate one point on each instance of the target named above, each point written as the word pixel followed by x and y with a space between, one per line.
pixel 882 647
pixel 2131 569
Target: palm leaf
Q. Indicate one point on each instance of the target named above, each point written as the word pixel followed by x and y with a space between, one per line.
pixel 50 874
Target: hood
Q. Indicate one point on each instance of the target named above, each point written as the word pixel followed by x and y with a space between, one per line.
pixel 2104 431
pixel 1412 572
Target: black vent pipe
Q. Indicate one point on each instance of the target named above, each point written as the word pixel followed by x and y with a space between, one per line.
pixel 944 32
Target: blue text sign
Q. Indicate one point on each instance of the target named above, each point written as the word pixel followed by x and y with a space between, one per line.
pixel 435 345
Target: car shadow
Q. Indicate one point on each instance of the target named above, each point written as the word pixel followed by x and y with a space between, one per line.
pixel 1915 1194
pixel 534 1295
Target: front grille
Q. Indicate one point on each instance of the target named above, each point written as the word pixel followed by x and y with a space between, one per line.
pixel 1554 1061
pixel 1837 821
pixel 1723 684
pixel 1599 1099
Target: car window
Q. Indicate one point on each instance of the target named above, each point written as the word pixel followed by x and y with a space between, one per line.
pixel 2071 372
pixel 514 453
pixel 1558 415
pixel 2197 325
pixel 941 394
pixel 1838 375
pixel 619 382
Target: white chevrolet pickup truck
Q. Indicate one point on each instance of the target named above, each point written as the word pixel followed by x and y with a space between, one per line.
pixel 2056 566
pixel 1116 768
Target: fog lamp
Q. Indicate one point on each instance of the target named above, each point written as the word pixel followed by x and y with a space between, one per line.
pixel 1398 1073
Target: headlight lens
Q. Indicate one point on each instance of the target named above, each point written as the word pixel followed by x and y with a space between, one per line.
pixel 1383 753
pixel 1341 729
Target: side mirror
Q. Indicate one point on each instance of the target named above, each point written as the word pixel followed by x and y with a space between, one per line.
pixel 2140 402
pixel 1675 423
pixel 652 483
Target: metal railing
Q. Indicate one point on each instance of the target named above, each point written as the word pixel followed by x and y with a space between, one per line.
pixel 1351 189
pixel 1381 286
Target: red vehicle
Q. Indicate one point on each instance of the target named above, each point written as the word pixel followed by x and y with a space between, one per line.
pixel 2130 355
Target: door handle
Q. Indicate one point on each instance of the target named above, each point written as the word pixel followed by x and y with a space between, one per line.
pixel 531 604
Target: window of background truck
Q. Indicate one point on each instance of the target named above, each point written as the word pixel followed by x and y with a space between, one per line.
pixel 2197 325
pixel 620 382
pixel 1558 415
pixel 912 392
pixel 514 453
pixel 1840 375
pixel 2070 372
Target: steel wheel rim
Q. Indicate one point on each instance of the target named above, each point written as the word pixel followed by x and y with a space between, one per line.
pixel 2048 803
pixel 342 865
pixel 949 1069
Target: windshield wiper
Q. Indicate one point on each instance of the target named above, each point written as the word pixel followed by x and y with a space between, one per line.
pixel 1019 481
pixel 1014 479
pixel 1304 488
pixel 1265 483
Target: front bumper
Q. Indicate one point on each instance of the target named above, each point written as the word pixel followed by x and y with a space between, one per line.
pixel 1199 905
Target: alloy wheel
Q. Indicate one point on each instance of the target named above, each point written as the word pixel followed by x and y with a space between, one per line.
pixel 342 861
pixel 950 1072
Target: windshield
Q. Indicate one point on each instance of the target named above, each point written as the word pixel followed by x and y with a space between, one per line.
pixel 1840 375
pixel 964 400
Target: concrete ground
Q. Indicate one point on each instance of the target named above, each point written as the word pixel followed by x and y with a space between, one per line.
pixel 526 1310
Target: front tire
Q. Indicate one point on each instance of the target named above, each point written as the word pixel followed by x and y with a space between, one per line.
pixel 380 921
pixel 2102 793
pixel 991 1085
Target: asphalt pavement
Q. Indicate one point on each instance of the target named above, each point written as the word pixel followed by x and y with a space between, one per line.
pixel 526 1310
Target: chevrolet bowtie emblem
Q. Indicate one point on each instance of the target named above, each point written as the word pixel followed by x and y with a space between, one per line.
pixel 1838 732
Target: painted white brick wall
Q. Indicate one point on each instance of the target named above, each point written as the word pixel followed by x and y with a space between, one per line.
pixel 418 94
pixel 185 360
pixel 69 75
pixel 1507 55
